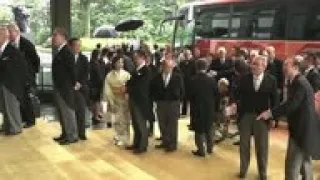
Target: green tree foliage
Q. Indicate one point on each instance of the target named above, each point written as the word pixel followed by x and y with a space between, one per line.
pixel 110 12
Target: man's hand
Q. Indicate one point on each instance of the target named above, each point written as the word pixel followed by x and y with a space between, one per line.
pixel 265 115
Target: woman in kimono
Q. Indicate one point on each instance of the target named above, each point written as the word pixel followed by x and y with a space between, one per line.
pixel 115 95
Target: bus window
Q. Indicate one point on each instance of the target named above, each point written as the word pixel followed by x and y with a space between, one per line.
pixel 252 21
pixel 313 26
pixel 260 25
pixel 213 23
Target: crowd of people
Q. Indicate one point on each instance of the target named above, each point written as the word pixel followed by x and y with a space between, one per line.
pixel 127 86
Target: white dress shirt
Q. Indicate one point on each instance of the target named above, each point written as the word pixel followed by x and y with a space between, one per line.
pixel 141 66
pixel 3 47
pixel 16 43
pixel 61 46
pixel 76 57
pixel 306 72
pixel 257 80
pixel 166 78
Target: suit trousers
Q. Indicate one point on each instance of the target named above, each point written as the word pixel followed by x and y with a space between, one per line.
pixel 249 126
pixel 168 113
pixel 26 108
pixel 67 118
pixel 80 105
pixel 10 108
pixel 296 161
pixel 139 123
pixel 204 138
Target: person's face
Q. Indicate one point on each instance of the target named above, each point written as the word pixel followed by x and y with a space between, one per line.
pixel 257 67
pixel 119 64
pixel 270 53
pixel 57 39
pixel 76 47
pixel 222 54
pixel 168 65
pixel 197 53
pixel 288 68
pixel 13 34
pixel 138 60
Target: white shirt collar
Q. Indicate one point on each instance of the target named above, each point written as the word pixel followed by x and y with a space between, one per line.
pixel 141 66
pixel 4 45
pixel 308 70
pixel 17 42
pixel 61 46
pixel 260 77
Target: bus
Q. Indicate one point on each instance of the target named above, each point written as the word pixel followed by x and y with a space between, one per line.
pixel 291 26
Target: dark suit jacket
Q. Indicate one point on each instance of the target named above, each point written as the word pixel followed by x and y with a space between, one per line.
pixel 250 101
pixel 224 70
pixel 138 88
pixel 64 75
pixel 82 75
pixel 313 77
pixel 275 69
pixel 304 126
pixel 188 70
pixel 97 75
pixel 31 55
pixel 204 97
pixel 13 71
pixel 173 92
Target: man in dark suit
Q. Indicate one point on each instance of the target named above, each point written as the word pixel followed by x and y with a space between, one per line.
pixel 302 120
pixel 138 89
pixel 203 94
pixel 82 87
pixel 188 69
pixel 310 71
pixel 156 56
pixel 167 90
pixel 64 82
pixel 13 72
pixel 257 93
pixel 275 68
pixel 153 72
pixel 96 52
pixel 222 67
pixel 29 52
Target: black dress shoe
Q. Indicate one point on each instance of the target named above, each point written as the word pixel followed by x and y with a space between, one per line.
pixel 130 148
pixel 60 138
pixel 161 146
pixel 241 176
pixel 169 150
pixel 237 143
pixel 199 154
pixel 11 133
pixel 84 138
pixel 109 125
pixel 209 151
pixel 138 151
pixel 28 125
pixel 67 142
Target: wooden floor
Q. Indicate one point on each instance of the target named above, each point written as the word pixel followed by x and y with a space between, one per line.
pixel 34 156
